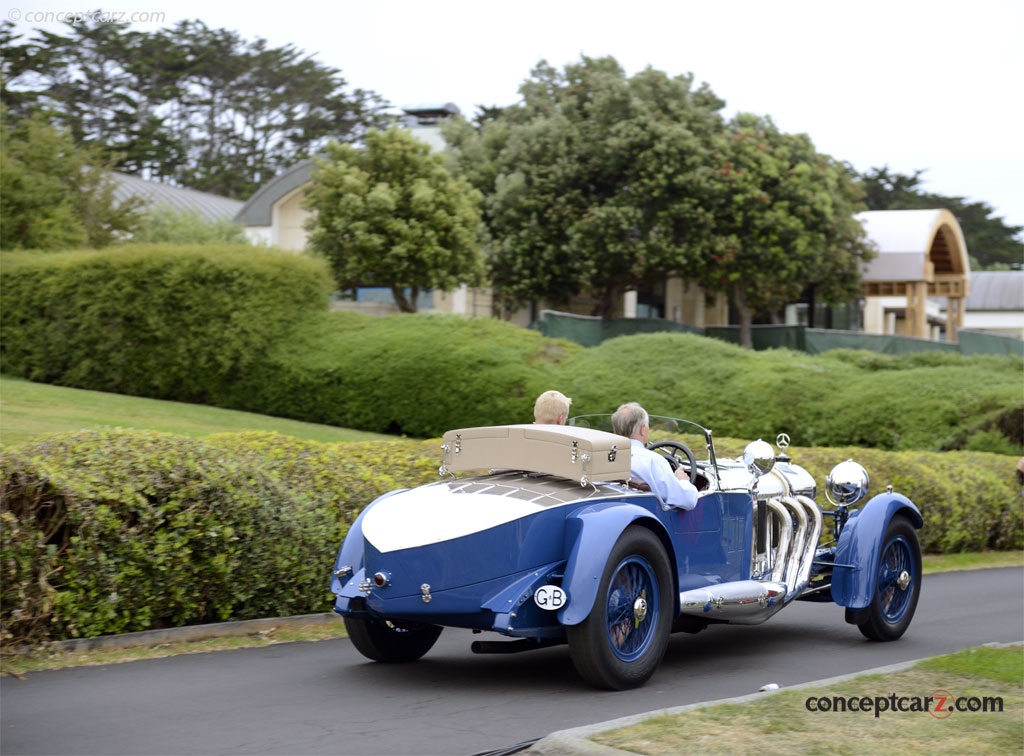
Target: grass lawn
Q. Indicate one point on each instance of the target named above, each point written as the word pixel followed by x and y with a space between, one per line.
pixel 980 712
pixel 29 410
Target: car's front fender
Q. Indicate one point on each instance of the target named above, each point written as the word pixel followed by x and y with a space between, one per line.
pixel 856 562
pixel 592 532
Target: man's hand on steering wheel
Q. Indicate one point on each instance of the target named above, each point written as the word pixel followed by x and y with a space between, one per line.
pixel 673 460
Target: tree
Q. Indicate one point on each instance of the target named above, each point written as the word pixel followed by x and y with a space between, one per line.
pixel 992 244
pixel 393 215
pixel 594 183
pixel 189 105
pixel 15 62
pixel 165 225
pixel 783 221
pixel 56 195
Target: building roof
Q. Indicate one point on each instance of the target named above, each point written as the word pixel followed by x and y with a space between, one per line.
pixel 909 239
pixel 210 206
pixel 996 290
pixel 438 110
pixel 258 210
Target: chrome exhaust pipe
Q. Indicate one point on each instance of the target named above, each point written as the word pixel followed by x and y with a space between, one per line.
pixel 796 555
pixel 781 556
pixel 813 537
pixel 805 544
pixel 744 602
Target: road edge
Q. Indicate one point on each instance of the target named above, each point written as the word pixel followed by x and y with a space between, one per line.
pixel 188 633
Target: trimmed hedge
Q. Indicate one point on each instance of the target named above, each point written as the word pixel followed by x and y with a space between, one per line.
pixel 417 375
pixel 926 401
pixel 422 374
pixel 116 531
pixel 169 322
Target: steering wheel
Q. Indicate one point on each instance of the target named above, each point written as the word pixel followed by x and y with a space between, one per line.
pixel 674 460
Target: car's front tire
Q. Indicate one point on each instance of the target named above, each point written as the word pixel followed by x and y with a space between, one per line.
pixel 623 639
pixel 898 584
pixel 391 642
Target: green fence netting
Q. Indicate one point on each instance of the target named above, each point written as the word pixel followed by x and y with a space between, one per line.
pixel 981 342
pixel 820 340
pixel 763 337
pixel 591 331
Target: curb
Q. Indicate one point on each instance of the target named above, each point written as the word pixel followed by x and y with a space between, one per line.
pixel 192 632
pixel 576 741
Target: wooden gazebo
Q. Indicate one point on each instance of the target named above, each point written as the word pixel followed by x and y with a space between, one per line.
pixel 921 255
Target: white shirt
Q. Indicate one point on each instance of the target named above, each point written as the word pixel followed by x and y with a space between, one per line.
pixel 654 470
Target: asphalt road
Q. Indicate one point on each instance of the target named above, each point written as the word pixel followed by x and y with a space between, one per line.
pixel 324 698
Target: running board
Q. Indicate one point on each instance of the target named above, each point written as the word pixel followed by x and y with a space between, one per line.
pixel 513 647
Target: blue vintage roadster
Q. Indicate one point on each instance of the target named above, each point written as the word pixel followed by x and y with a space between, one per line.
pixel 537 533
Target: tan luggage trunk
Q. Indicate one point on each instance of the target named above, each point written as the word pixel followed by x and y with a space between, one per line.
pixel 580 454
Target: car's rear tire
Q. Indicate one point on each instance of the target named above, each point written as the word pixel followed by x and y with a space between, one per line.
pixel 898 584
pixel 391 642
pixel 623 639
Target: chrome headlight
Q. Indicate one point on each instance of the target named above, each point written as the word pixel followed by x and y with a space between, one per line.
pixel 759 457
pixel 847 483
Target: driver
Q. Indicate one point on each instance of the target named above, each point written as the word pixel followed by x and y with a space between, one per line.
pixel 631 420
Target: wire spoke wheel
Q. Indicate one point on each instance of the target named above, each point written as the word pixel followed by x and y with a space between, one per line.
pixel 897 584
pixel 632 608
pixel 895 572
pixel 623 639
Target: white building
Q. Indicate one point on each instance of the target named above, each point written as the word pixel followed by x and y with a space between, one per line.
pixel 996 303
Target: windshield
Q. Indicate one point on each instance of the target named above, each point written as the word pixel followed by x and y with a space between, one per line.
pixel 694 436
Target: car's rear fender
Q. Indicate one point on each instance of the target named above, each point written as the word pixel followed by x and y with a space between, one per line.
pixel 590 535
pixel 855 573
pixel 350 555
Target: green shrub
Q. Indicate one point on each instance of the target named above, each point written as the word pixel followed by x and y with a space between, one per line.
pixel 169 322
pixel 342 477
pixel 417 375
pixel 932 401
pixel 971 501
pixel 117 531
pixel 165 225
pixel 423 374
pixel 989 441
pixel 920 408
pixel 669 374
pixel 876 361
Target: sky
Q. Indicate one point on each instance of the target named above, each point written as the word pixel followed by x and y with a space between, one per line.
pixel 936 86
